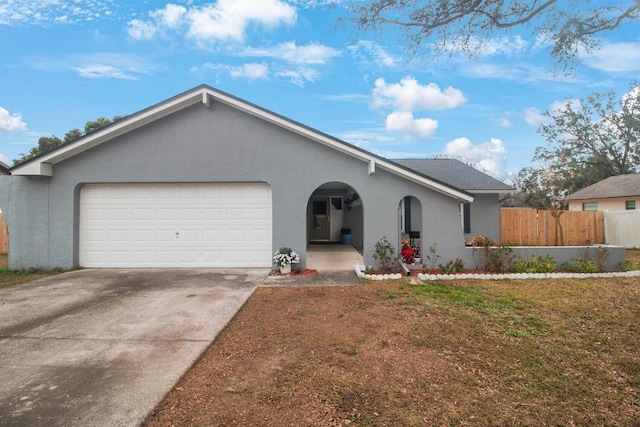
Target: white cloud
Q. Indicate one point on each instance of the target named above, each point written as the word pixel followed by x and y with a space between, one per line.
pixel 403 121
pixel 221 21
pixel 251 71
pixel 11 122
pixel 488 156
pixel 630 100
pixel 534 117
pixel 46 12
pixel 300 76
pixel 558 106
pixel 4 159
pixel 346 97
pixel 103 72
pixel 503 121
pixel 141 30
pixel 171 16
pixel 378 54
pixel 97 65
pixel 507 46
pixel 311 54
pixel 229 19
pixel 503 46
pixel 409 95
pixel 615 57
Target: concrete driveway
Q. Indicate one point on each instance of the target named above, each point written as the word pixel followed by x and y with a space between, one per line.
pixel 103 347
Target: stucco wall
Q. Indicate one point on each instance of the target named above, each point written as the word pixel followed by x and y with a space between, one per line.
pixel 219 144
pixel 485 216
pixel 618 204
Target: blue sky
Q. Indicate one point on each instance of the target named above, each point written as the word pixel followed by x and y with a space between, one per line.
pixel 65 62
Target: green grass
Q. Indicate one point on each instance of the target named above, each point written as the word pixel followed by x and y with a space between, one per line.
pixel 14 277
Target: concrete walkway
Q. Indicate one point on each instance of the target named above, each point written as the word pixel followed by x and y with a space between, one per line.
pixel 332 257
pixel 103 347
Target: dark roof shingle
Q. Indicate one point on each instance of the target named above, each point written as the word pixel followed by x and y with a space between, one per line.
pixel 456 173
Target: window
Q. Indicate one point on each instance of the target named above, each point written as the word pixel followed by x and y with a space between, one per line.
pixel 630 205
pixel 590 206
pixel 466 218
pixel 401 216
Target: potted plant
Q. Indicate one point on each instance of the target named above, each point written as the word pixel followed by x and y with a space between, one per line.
pixel 284 257
pixel 345 236
pixel 407 252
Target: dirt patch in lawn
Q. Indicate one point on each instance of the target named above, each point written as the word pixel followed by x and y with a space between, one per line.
pixel 302 272
pixel 530 353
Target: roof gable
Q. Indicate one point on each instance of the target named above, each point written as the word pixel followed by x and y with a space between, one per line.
pixel 615 186
pixel 206 95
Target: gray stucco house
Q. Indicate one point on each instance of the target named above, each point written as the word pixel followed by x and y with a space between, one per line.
pixel 205 179
pixel 480 218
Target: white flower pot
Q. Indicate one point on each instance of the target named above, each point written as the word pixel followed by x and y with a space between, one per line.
pixel 285 269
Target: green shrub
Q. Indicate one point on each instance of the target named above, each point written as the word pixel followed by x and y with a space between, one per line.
pixel 385 255
pixel 497 257
pixel 453 266
pixel 628 266
pixel 581 265
pixel 535 265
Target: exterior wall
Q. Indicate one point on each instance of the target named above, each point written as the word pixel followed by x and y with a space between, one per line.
pixel 617 204
pixel 220 144
pixel 485 216
pixel 25 204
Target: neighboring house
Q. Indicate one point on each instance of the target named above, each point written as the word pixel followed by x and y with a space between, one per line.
pixel 205 179
pixel 480 218
pixel 615 193
pixel 4 169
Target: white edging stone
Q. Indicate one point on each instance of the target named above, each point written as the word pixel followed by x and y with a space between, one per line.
pixel 360 272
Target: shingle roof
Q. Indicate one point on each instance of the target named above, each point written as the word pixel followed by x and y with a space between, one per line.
pixel 456 173
pixel 614 186
pixel 4 169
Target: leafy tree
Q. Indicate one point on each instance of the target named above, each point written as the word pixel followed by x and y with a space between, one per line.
pixel 465 26
pixel 593 138
pixel 48 143
pixel 587 141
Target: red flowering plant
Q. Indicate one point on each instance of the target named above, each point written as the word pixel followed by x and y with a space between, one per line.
pixel 407 252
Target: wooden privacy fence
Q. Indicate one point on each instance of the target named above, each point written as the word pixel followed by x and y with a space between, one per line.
pixel 4 236
pixel 533 227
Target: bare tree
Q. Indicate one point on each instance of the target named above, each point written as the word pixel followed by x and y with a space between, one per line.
pixel 465 26
pixel 546 188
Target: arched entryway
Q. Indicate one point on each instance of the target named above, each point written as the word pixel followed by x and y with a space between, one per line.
pixel 334 227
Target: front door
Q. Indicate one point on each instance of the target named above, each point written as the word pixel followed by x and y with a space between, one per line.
pixel 320 229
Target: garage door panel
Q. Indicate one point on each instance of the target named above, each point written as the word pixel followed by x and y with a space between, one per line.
pixel 175 225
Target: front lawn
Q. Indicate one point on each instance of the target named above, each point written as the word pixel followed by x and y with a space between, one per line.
pixel 472 353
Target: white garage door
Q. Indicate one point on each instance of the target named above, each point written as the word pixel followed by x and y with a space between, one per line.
pixel 175 225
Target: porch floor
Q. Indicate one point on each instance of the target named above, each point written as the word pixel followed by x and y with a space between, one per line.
pixel 332 257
